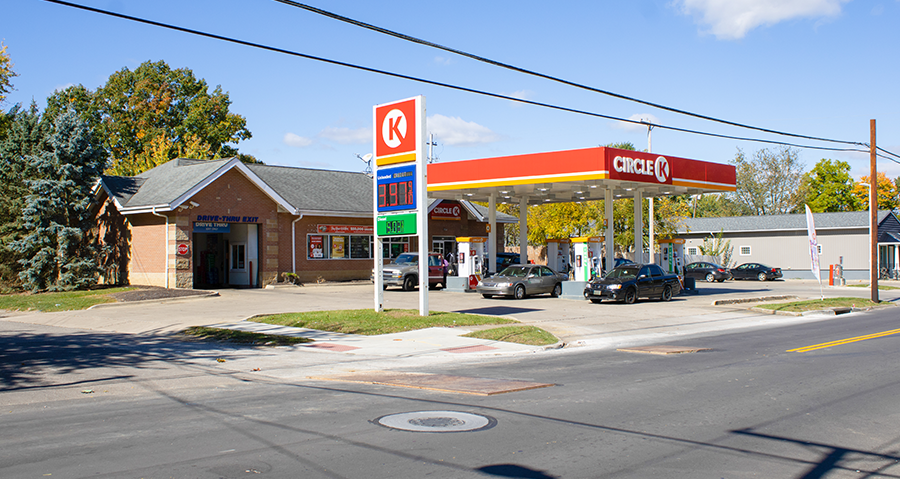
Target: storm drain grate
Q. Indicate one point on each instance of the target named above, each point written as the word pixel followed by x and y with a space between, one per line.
pixel 437 421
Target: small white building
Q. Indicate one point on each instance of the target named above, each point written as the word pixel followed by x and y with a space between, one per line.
pixel 781 241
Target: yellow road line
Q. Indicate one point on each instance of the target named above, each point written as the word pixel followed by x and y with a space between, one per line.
pixel 843 341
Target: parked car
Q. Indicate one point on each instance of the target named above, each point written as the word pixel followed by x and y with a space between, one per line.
pixel 757 271
pixel 522 280
pixel 632 281
pixel 403 271
pixel 708 271
pixel 506 259
pixel 621 261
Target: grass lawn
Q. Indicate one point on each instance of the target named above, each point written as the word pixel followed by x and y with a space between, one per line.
pixel 64 301
pixel 243 337
pixel 817 304
pixel 516 334
pixel 880 286
pixel 368 322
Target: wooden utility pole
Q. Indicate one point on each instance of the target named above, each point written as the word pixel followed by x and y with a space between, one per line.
pixel 873 216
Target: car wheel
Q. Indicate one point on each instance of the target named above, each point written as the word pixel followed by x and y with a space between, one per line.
pixel 596 300
pixel 410 282
pixel 710 278
pixel 384 287
pixel 630 296
pixel 761 276
pixel 487 296
pixel 557 290
pixel 666 294
pixel 722 280
pixel 520 291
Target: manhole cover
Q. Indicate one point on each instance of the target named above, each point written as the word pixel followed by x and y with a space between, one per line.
pixel 437 421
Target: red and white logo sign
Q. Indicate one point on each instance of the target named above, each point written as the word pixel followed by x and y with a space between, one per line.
pixel 446 212
pixel 183 249
pixel 641 168
pixel 346 229
pixel 395 128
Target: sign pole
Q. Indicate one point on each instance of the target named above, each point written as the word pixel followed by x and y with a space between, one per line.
pixel 422 207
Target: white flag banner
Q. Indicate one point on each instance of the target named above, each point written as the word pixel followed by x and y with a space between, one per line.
pixel 813 244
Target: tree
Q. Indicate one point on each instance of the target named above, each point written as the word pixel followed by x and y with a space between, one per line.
pixel 887 192
pixel 6 73
pixel 25 137
pixel 148 116
pixel 57 252
pixel 770 183
pixel 829 187
pixel 718 247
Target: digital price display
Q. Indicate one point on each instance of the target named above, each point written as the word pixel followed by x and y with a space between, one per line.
pixel 397 188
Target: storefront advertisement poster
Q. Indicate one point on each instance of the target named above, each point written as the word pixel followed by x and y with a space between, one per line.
pixel 337 246
pixel 316 247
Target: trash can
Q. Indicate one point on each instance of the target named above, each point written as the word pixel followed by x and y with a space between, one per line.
pixel 690 284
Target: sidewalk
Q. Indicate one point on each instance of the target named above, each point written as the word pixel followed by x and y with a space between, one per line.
pixel 577 323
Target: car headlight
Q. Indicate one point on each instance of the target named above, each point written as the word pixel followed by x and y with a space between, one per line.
pixel 614 287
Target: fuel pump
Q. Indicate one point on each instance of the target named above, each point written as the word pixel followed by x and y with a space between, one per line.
pixel 558 254
pixel 471 259
pixel 672 255
pixel 586 249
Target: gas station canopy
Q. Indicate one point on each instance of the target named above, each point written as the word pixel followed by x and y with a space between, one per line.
pixel 576 175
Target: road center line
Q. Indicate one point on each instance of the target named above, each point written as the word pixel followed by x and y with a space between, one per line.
pixel 843 341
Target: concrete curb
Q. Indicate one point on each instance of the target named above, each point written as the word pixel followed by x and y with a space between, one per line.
pixel 155 301
pixel 720 302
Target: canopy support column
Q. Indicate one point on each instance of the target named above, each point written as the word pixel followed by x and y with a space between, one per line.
pixel 492 234
pixel 523 230
pixel 638 226
pixel 610 232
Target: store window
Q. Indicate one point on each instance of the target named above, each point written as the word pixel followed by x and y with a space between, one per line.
pixel 818 249
pixel 745 251
pixel 238 256
pixel 392 246
pixel 693 251
pixel 339 246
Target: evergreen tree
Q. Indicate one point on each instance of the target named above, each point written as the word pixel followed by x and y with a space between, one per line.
pixel 57 252
pixel 26 136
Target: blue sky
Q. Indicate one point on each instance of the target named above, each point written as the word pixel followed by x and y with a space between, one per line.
pixel 816 67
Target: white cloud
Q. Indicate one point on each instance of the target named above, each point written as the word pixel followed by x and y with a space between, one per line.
pixel 458 132
pixel 522 95
pixel 442 60
pixel 297 141
pixel 645 117
pixel 62 87
pixel 346 136
pixel 732 19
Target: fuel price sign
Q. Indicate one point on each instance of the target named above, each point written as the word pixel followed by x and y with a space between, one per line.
pixel 396 188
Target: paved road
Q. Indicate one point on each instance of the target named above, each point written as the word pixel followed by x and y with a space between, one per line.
pixel 745 408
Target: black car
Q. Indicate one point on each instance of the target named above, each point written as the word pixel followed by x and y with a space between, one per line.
pixel 756 271
pixel 629 282
pixel 506 259
pixel 706 271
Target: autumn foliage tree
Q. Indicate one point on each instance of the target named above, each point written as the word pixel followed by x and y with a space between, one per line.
pixel 887 192
pixel 148 116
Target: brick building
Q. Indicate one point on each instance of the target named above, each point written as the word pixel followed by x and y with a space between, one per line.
pixel 202 224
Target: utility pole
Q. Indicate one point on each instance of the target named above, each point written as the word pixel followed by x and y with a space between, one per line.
pixel 651 220
pixel 873 216
pixel 431 145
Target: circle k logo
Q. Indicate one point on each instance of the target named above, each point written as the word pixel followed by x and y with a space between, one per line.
pixel 661 168
pixel 658 168
pixel 393 128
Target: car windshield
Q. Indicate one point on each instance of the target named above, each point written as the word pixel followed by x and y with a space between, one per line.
pixel 407 258
pixel 627 272
pixel 515 272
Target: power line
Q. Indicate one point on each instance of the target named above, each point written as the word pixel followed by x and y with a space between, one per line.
pixel 545 76
pixel 432 82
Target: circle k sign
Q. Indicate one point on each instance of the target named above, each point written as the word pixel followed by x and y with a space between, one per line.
pixel 395 128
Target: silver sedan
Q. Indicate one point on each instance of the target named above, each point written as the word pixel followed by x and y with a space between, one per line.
pixel 522 280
